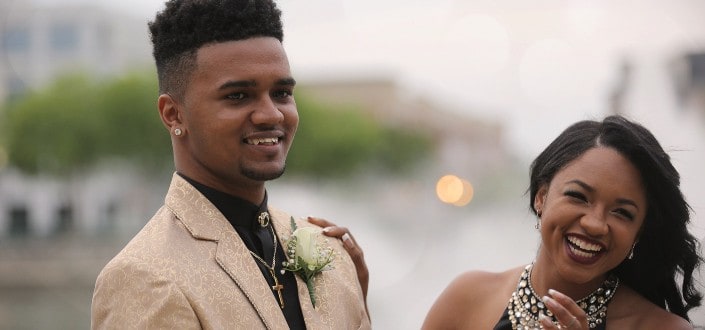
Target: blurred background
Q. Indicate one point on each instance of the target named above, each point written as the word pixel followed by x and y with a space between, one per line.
pixel 419 120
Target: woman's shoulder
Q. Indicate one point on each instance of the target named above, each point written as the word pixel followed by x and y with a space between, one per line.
pixel 479 296
pixel 483 281
pixel 636 312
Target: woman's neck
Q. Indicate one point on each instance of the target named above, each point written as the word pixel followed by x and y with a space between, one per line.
pixel 545 275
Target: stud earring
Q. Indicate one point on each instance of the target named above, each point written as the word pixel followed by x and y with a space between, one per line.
pixel 177 131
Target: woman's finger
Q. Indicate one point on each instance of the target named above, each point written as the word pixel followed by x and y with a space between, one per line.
pixel 350 245
pixel 566 311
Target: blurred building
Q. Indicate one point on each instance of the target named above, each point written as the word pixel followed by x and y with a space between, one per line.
pixel 688 71
pixel 37 44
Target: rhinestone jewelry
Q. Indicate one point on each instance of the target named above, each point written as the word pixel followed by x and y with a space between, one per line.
pixel 525 306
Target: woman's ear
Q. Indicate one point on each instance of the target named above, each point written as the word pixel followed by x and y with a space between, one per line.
pixel 540 199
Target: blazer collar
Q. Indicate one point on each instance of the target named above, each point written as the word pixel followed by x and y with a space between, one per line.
pixel 203 220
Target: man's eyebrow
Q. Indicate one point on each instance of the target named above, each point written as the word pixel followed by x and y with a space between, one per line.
pixel 237 83
pixel 252 83
pixel 286 82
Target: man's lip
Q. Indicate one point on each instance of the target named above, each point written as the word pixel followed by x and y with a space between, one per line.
pixel 268 135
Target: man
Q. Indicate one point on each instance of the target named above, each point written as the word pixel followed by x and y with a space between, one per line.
pixel 211 257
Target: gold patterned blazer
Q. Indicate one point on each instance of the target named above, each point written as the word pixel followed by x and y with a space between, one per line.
pixel 189 269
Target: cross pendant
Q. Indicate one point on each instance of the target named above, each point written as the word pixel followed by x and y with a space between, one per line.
pixel 278 287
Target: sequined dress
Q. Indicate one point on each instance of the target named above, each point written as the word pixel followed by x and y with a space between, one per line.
pixel 525 306
pixel 505 324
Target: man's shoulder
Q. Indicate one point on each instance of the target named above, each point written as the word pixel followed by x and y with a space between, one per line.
pixel 154 242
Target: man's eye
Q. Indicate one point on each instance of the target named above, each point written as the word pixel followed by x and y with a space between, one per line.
pixel 283 93
pixel 236 96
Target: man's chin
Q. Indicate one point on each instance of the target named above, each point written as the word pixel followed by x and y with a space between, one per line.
pixel 262 175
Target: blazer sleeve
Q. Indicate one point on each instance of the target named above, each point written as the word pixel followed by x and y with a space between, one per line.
pixel 130 295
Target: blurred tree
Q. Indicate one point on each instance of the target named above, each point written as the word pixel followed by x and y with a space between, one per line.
pixel 336 143
pixel 53 130
pixel 78 121
pixel 134 130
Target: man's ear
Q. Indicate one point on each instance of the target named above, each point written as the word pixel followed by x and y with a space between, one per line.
pixel 169 112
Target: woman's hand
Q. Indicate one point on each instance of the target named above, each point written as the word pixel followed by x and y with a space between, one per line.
pixel 566 311
pixel 354 250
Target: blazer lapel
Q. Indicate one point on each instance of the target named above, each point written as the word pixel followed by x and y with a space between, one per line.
pixel 235 259
pixel 203 220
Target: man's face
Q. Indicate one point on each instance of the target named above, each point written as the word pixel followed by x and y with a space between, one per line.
pixel 239 115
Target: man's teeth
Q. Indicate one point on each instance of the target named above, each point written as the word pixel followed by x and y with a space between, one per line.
pixel 583 245
pixel 268 141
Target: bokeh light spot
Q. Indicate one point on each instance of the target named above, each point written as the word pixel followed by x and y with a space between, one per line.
pixel 454 190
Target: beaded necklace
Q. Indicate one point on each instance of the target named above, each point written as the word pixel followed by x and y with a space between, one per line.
pixel 525 305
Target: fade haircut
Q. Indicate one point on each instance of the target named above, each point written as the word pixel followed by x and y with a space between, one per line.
pixel 184 26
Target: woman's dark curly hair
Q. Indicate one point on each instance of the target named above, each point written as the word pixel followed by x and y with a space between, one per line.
pixel 665 247
pixel 184 26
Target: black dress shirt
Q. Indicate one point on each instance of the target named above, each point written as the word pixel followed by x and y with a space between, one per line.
pixel 243 215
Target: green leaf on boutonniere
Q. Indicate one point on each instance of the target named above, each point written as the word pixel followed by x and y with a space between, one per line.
pixel 293 225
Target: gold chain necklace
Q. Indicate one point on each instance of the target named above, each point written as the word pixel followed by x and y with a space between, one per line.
pixel 277 286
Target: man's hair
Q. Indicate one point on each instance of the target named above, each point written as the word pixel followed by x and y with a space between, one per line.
pixel 184 26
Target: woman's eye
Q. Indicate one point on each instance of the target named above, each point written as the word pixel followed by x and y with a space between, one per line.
pixel 624 213
pixel 576 195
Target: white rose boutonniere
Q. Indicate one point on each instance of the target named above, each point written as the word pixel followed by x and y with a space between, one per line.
pixel 308 254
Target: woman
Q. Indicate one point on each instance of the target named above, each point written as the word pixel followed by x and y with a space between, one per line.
pixel 613 226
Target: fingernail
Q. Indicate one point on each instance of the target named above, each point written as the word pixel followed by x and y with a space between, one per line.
pixel 347 241
pixel 552 292
pixel 548 300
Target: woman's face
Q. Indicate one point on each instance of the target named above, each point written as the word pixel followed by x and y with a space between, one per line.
pixel 591 213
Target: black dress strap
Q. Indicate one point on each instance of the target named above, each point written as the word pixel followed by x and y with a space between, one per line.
pixel 504 323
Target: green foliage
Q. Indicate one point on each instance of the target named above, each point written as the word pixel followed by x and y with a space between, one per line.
pixel 78 121
pixel 337 142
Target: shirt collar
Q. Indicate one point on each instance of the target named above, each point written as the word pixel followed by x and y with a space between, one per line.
pixel 238 211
